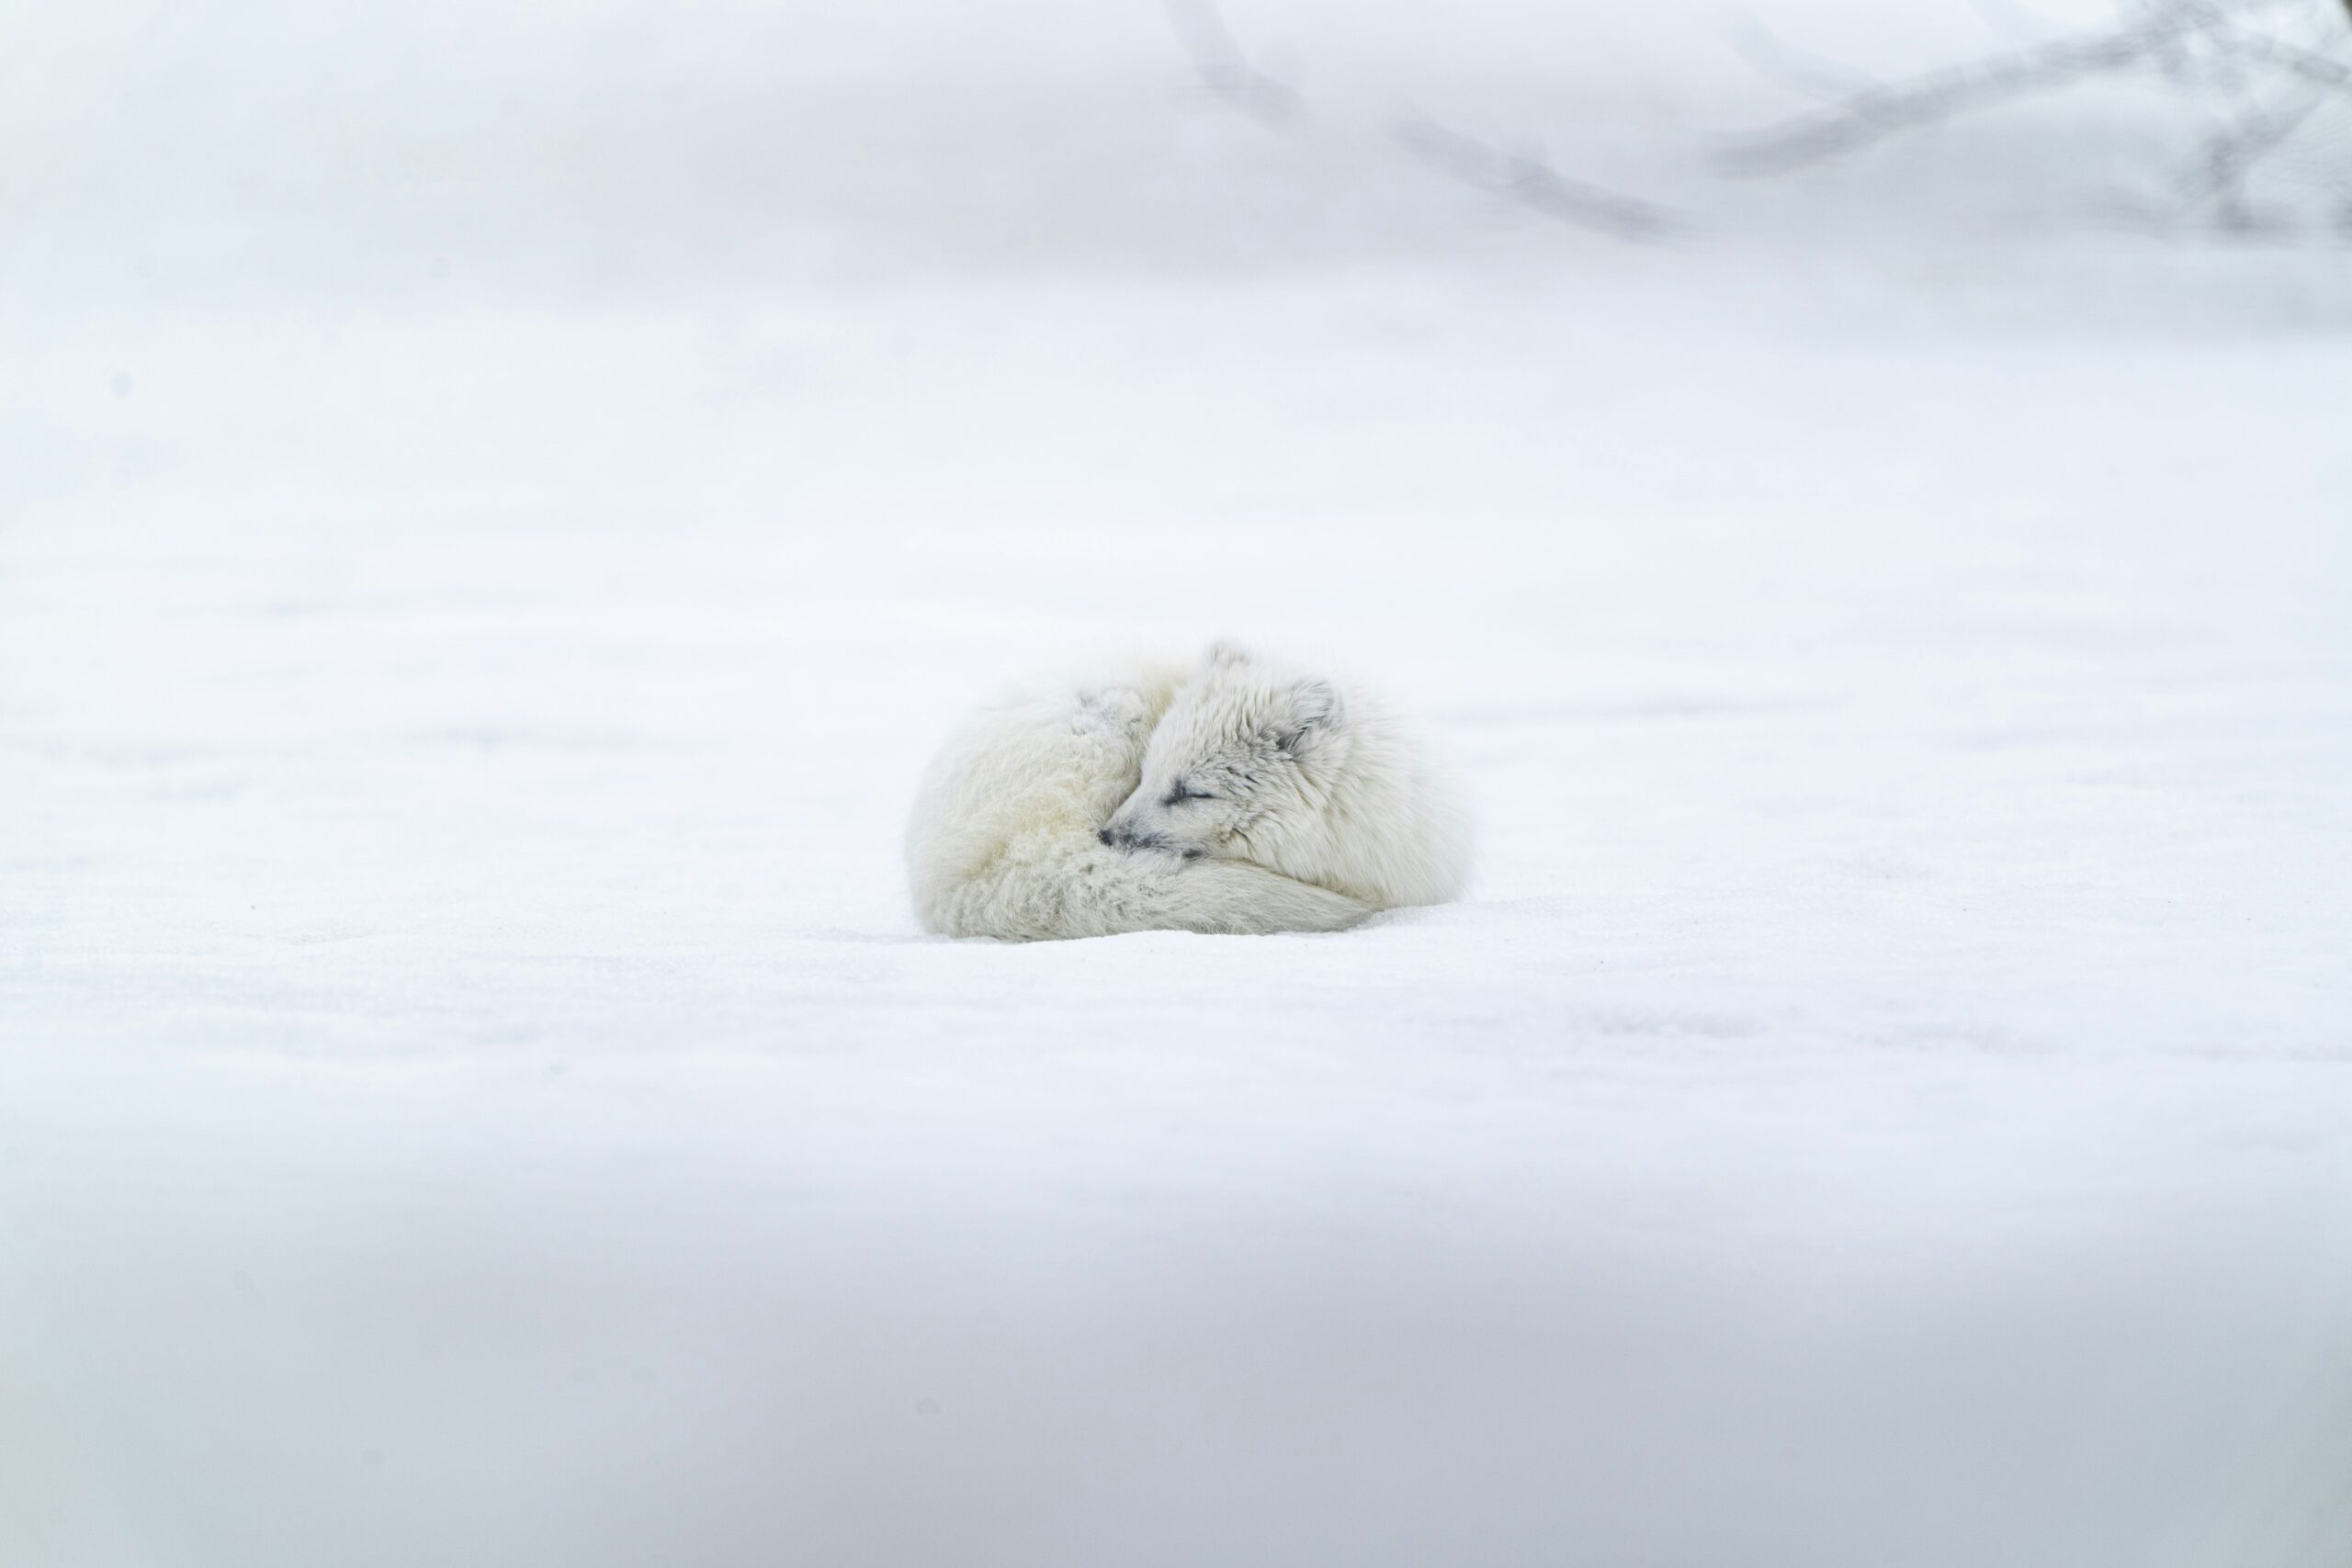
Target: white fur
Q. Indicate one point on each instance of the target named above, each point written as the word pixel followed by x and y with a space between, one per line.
pixel 1237 796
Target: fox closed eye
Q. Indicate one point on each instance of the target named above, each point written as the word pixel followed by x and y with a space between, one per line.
pixel 1183 792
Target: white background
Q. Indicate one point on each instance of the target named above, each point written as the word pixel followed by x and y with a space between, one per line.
pixel 497 502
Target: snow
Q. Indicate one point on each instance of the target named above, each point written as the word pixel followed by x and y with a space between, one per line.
pixel 476 589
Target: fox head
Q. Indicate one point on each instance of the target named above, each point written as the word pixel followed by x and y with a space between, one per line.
pixel 1243 765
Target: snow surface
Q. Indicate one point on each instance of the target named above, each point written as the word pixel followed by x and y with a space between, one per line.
pixel 496 506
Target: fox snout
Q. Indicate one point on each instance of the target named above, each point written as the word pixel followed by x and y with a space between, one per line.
pixel 1121 835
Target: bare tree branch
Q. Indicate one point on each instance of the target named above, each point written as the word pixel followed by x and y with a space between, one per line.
pixel 2200 45
pixel 1527 180
pixel 1881 111
pixel 2303 63
pixel 1226 72
pixel 2230 157
pixel 1530 180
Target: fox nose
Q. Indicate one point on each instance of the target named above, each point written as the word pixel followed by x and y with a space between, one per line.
pixel 1105 836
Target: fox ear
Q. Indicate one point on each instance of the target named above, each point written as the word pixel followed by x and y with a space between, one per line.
pixel 1314 709
pixel 1224 651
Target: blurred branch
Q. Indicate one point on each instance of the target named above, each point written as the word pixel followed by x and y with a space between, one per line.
pixel 2305 64
pixel 2194 44
pixel 1880 112
pixel 2229 156
pixel 1226 72
pixel 1529 180
pixel 1526 180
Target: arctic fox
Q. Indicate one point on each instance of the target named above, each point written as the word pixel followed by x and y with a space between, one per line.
pixel 1238 797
